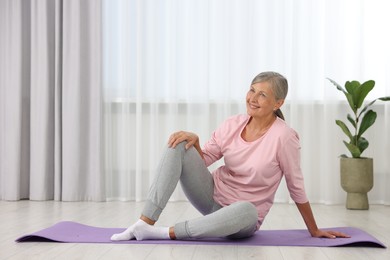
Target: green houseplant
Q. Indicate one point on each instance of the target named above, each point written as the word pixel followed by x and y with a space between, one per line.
pixel 356 172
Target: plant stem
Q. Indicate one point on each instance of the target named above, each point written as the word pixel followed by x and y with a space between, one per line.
pixel 356 128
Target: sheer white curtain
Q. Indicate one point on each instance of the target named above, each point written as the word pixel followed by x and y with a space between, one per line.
pixel 186 65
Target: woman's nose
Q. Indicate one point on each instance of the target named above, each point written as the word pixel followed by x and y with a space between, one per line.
pixel 253 98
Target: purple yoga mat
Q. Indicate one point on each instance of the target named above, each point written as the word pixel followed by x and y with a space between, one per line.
pixel 72 232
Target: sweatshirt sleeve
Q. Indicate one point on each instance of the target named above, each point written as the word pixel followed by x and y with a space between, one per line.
pixel 212 150
pixel 289 158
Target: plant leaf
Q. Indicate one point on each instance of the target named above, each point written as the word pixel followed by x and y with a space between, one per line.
pixel 352 86
pixel 338 86
pixel 345 129
pixel 351 120
pixel 366 107
pixel 347 95
pixel 372 102
pixel 362 144
pixel 354 150
pixel 367 121
pixel 362 92
pixel 351 102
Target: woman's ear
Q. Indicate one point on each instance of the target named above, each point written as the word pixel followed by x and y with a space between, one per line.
pixel 278 104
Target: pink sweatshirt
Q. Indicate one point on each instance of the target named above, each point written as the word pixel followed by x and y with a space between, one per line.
pixel 253 170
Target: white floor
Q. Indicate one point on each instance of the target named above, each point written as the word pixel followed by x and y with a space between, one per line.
pixel 23 217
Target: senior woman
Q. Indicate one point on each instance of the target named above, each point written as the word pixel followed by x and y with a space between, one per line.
pixel 258 148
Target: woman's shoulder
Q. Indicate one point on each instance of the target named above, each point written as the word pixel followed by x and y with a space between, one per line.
pixel 232 123
pixel 283 130
pixel 236 119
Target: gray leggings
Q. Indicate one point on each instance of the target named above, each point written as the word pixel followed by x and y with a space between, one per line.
pixel 237 220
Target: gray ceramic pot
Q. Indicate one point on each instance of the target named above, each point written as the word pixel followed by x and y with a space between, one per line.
pixel 357 180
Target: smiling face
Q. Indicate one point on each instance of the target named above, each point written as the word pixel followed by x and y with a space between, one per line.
pixel 261 101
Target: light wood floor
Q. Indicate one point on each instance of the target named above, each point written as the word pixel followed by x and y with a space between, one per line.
pixel 23 217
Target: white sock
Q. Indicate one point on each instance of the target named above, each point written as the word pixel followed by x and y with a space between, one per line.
pixel 128 234
pixel 145 231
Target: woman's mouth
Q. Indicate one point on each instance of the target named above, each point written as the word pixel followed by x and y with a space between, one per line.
pixel 253 106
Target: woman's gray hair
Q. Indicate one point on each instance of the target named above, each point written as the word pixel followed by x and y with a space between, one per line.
pixel 278 84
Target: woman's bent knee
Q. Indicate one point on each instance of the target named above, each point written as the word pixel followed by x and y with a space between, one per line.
pixel 249 214
pixel 248 219
pixel 181 145
pixel 248 209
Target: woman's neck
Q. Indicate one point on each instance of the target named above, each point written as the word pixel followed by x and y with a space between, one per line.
pixel 257 127
pixel 261 124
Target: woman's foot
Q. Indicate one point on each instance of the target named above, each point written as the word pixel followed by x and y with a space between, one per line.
pixel 128 234
pixel 145 231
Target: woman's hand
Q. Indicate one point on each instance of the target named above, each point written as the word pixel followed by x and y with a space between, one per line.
pixel 178 137
pixel 329 234
pixel 307 214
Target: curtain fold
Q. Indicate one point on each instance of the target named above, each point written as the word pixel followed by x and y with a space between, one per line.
pixel 82 173
pixel 14 100
pixel 42 102
pixel 51 100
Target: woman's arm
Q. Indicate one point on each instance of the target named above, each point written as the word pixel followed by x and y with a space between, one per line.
pixel 307 215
